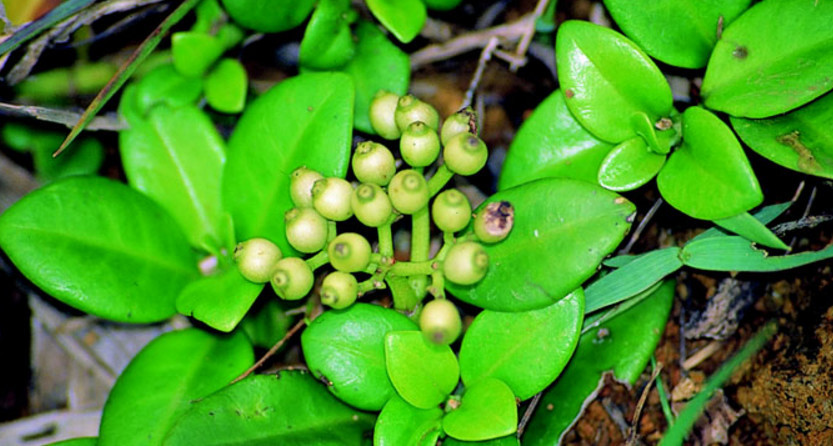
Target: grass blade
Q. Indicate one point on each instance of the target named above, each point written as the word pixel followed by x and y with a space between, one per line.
pixel 735 253
pixel 31 30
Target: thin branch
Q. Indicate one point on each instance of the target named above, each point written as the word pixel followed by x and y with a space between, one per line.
pixel 641 227
pixel 702 354
pixel 526 38
pixel 272 350
pixel 528 413
pixel 68 118
pixel 485 57
pixel 640 405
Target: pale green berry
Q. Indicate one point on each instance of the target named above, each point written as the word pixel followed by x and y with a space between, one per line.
pixel 371 205
pixel 373 163
pixel 440 322
pixel 463 121
pixel 331 198
pixel 306 229
pixel 349 252
pixel 466 263
pixel 339 290
pixel 410 109
pixel 408 192
pixel 420 145
pixel 465 154
pixel 292 278
pixel 300 186
pixel 494 222
pixel 451 211
pixel 256 258
pixel 382 112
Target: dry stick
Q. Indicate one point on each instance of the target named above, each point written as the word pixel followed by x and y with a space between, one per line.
pixel 271 351
pixel 641 404
pixel 528 413
pixel 703 354
pixel 641 227
pixel 485 57
pixel 526 38
pixel 805 214
pixel 59 116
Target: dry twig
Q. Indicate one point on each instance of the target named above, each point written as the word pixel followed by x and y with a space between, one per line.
pixel 272 350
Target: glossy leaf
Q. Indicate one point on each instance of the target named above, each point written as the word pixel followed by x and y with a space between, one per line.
pixel 81 441
pixel 328 42
pixel 400 423
pixel 551 143
pixel 423 373
pixel 264 150
pixel 764 65
pixel 347 348
pixel 378 65
pixel 85 158
pixel 734 253
pixel 606 78
pixel 271 16
pixel 162 85
pixel 800 140
pixel 101 247
pixel 629 165
pixel 765 215
pixel 622 345
pixel 160 383
pixel 176 157
pixel 404 18
pixel 509 440
pixel 220 300
pixel 678 32
pixel 708 177
pixel 526 350
pixel 290 409
pixel 194 52
pixel 267 322
pixel 486 411
pixel 750 228
pixel 226 86
pixel 560 225
pixel 441 5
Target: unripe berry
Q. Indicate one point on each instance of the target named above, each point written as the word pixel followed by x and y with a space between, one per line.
pixel 410 109
pixel 339 290
pixel 408 191
pixel 382 111
pixel 349 252
pixel 256 258
pixel 466 263
pixel 463 121
pixel 306 229
pixel 420 145
pixel 494 222
pixel 371 205
pixel 440 322
pixel 451 211
pixel 331 198
pixel 292 278
pixel 373 163
pixel 465 154
pixel 300 186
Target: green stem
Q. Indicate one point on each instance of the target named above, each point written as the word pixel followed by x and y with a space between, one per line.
pixel 386 239
pixel 332 231
pixel 663 398
pixel 437 288
pixel 439 180
pixel 420 246
pixel 318 260
pixel 406 269
pixel 370 284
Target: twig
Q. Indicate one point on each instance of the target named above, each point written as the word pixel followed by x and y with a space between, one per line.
pixel 805 214
pixel 641 227
pixel 272 350
pixel 703 354
pixel 68 118
pixel 805 222
pixel 485 57
pixel 639 405
pixel 528 413
pixel 526 38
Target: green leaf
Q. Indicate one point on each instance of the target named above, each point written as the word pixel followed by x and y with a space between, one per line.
pixel 404 18
pixel 269 16
pixel 526 350
pixel 749 227
pixel 290 409
pixel 629 165
pixel 328 42
pixel 315 131
pixel 400 423
pixel 444 5
pixel 160 383
pixel 85 158
pixel 423 373
pixel 800 140
pixel 176 157
pixel 765 65
pixel 623 345
pixel 765 215
pixel 60 12
pixel 220 300
pixel 226 85
pixel 162 85
pixel 678 32
pixel 606 79
pixel 708 177
pixel 194 52
pixel 734 253
pixel 100 247
pixel 560 225
pixel 551 143
pixel 347 349
pixel 509 440
pixel 404 296
pixel 378 65
pixel 487 411
pixel 81 441
pixel 267 322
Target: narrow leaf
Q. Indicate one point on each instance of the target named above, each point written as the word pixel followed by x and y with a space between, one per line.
pixel 765 215
pixel 751 228
pixel 60 12
pixel 734 253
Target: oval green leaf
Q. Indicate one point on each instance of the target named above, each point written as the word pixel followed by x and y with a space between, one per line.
pixel 160 383
pixel 328 42
pixel 678 32
pixel 162 85
pixel 709 177
pixel 220 300
pixel 799 140
pixel 765 65
pixel 606 79
pixel 423 373
pixel 404 18
pixel 271 16
pixel 226 86
pixel 629 165
pixel 194 52
pixel 303 121
pixel 290 409
pixel 561 225
pixel 509 440
pixel 486 411
pixel 551 143
pixel 526 350
pixel 400 423
pixel 346 350
pixel 101 247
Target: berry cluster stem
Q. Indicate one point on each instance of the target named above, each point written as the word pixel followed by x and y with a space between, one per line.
pixel 439 180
